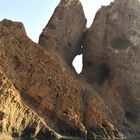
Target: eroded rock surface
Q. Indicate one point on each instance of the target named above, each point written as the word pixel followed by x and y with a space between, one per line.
pixel 16 118
pixel 103 102
pixel 64 32
pixel 112 61
pixel 37 77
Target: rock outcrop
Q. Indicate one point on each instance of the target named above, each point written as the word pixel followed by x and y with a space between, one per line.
pixel 16 118
pixel 37 77
pixel 39 89
pixel 61 100
pixel 64 32
pixel 112 61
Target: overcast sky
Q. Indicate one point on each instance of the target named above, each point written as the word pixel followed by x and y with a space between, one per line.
pixel 35 14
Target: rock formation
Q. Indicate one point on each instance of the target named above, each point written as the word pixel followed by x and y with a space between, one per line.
pixel 39 90
pixel 111 61
pixel 18 119
pixel 64 33
pixel 37 77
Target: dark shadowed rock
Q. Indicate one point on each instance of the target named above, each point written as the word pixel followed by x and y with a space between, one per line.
pixel 112 60
pixel 63 33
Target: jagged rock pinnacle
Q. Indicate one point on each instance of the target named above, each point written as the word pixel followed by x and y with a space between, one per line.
pixel 64 32
pixel 101 103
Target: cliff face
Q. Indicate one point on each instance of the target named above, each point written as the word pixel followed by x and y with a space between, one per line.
pixel 18 119
pixel 37 77
pixel 102 102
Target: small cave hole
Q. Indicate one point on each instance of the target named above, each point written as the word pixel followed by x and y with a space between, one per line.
pixel 103 73
pixel 1 115
pixel 78 63
pixel 45 134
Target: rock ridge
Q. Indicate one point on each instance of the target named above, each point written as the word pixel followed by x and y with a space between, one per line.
pixel 16 118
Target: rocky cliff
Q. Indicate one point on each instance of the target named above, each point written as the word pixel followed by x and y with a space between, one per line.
pixel 111 61
pixel 18 119
pixel 42 97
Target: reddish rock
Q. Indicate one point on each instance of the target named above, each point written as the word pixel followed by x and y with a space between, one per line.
pixel 43 82
pixel 18 119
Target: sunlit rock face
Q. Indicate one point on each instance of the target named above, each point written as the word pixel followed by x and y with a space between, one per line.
pixel 18 119
pixel 39 90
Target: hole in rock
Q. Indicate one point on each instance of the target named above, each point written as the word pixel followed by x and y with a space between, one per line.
pixel 78 63
pixel 103 73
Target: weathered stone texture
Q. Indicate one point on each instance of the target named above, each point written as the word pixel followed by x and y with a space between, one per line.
pixel 18 119
pixel 37 77
pixel 64 32
pixel 111 60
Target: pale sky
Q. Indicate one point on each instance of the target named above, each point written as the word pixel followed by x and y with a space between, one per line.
pixel 91 7
pixel 35 14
